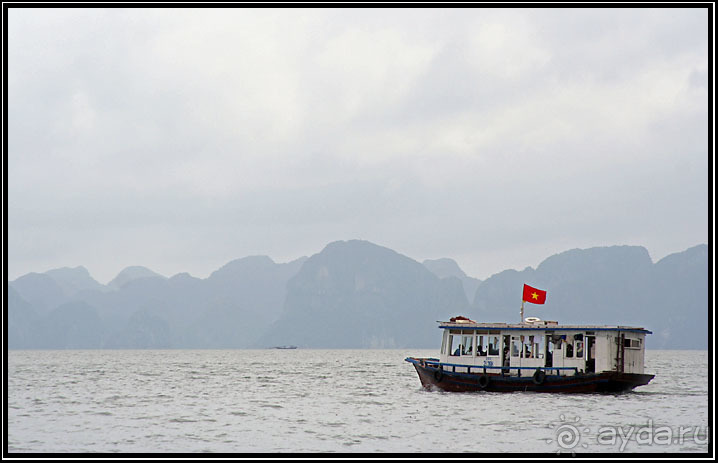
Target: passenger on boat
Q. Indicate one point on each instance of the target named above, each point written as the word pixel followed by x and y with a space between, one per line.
pixel 494 347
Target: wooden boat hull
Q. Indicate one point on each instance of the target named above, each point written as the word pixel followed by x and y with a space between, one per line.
pixel 432 377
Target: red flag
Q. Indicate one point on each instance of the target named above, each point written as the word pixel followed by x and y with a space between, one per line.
pixel 533 295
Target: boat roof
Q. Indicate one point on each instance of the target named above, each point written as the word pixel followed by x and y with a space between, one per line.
pixel 542 325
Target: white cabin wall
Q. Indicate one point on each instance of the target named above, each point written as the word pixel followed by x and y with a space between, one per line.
pixel 605 347
pixel 642 361
pixel 604 353
pixel 612 349
pixel 528 362
pixel 631 364
pixel 469 359
pixel 579 363
pixel 635 357
pixel 558 355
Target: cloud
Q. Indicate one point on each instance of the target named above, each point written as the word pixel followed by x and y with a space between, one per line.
pixel 428 130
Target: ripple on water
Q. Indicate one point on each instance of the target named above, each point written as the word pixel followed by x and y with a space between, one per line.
pixel 229 401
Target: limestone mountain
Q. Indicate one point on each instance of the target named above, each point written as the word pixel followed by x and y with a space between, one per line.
pixel 610 285
pixel 446 267
pixel 74 280
pixel 356 294
pixel 128 274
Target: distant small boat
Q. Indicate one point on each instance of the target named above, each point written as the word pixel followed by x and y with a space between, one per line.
pixel 284 347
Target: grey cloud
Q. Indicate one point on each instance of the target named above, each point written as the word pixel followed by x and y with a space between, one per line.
pixel 157 133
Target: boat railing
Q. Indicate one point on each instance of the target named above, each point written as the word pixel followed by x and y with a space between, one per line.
pixel 508 369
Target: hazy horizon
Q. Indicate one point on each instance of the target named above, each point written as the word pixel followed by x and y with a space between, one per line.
pixel 181 139
pixel 105 281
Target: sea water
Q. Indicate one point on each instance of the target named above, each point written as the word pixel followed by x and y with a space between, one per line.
pixel 306 401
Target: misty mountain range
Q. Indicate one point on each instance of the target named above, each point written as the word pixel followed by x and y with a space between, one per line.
pixel 355 294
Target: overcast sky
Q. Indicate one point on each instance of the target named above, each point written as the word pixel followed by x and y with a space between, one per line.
pixel 183 139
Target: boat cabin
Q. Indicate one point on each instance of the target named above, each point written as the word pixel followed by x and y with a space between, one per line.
pixel 558 349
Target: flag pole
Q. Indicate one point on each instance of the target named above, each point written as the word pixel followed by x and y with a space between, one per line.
pixel 522 310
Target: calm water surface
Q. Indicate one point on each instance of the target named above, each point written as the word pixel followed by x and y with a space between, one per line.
pixel 330 401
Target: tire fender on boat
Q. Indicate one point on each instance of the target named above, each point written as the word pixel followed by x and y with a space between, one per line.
pixel 439 375
pixel 484 381
pixel 539 377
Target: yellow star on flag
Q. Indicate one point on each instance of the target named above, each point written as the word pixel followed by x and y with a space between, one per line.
pixel 533 295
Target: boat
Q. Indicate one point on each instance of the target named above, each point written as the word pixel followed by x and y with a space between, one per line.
pixel 535 355
pixel 284 347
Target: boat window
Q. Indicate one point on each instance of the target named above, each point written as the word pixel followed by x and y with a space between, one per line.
pixel 568 347
pixel 460 343
pixel 568 352
pixel 493 345
pixel 443 343
pixel 481 345
pixel 528 350
pixel 579 349
pixel 456 345
pixel 532 347
pixel 538 347
pixel 578 345
pixel 557 343
pixel 632 343
pixel 467 343
pixel 515 347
